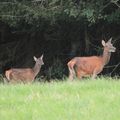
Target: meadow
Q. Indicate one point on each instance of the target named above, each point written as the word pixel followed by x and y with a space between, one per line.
pixel 77 100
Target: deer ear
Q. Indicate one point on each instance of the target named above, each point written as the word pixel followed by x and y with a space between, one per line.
pixel 103 43
pixel 110 40
pixel 41 56
pixel 35 58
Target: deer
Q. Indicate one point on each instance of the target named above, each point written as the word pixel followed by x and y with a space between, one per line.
pixel 24 75
pixel 91 65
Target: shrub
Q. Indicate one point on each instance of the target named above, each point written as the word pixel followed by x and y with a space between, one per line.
pixel 56 70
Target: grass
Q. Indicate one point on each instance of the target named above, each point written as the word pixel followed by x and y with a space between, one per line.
pixel 77 100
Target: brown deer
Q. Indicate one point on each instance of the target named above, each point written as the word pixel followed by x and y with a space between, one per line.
pixel 24 74
pixel 92 65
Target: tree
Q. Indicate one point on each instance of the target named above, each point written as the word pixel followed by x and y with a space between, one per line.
pixel 33 12
pixel 58 25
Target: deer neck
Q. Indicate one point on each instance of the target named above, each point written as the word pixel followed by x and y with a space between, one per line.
pixel 106 56
pixel 36 68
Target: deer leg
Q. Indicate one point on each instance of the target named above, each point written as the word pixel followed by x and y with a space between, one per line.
pixel 94 75
pixel 95 72
pixel 71 75
pixel 79 74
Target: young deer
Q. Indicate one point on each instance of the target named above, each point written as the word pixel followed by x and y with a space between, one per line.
pixel 93 65
pixel 24 74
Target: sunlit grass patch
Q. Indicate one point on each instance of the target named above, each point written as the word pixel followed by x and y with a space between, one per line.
pixel 66 100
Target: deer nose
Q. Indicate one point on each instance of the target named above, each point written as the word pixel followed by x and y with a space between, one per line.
pixel 114 49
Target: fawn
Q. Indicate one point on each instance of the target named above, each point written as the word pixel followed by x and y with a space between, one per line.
pixel 24 74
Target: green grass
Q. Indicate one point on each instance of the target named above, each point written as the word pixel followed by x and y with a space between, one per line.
pixel 78 100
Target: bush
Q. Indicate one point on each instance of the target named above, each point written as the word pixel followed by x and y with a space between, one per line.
pixel 56 70
pixel 1 78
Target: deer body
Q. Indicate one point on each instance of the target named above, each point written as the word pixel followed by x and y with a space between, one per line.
pixel 93 65
pixel 24 74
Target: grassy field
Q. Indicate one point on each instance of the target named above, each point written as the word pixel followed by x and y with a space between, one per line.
pixel 78 100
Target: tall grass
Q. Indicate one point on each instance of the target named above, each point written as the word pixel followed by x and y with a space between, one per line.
pixel 77 100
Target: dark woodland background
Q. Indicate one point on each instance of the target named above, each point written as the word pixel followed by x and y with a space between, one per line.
pixel 59 29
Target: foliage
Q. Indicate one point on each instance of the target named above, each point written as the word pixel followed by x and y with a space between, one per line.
pixel 70 27
pixel 35 12
pixel 1 79
pixel 56 70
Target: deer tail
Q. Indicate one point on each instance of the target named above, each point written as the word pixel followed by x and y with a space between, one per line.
pixel 71 65
pixel 7 74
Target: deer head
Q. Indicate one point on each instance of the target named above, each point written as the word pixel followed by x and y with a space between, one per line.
pixel 108 45
pixel 39 60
